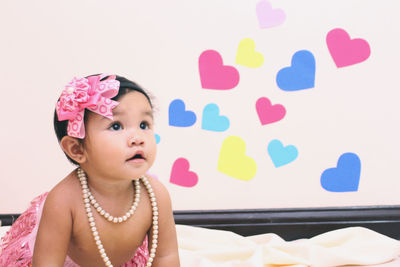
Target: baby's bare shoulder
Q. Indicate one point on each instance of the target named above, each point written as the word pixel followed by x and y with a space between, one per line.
pixel 65 193
pixel 159 189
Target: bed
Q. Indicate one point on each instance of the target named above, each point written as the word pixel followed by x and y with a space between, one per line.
pixel 320 237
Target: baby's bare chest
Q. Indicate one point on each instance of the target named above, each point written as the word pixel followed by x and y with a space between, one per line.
pixel 120 240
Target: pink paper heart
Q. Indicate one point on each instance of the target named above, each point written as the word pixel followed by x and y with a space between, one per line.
pixel 268 113
pixel 346 51
pixel 213 74
pixel 180 174
pixel 268 17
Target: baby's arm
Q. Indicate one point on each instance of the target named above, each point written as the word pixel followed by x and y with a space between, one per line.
pixel 167 249
pixel 54 232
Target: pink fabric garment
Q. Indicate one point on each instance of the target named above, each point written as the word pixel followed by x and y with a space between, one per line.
pixel 16 247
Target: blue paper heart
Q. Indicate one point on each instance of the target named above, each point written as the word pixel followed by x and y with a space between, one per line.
pixel 212 121
pixel 281 155
pixel 345 177
pixel 178 116
pixel 158 138
pixel 300 75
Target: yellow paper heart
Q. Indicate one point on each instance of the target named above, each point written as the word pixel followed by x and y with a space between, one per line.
pixel 247 56
pixel 233 161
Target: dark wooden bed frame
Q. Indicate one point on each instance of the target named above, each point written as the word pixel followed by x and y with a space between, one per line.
pixel 290 224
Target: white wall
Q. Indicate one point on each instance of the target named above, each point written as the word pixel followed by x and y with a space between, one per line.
pixel 158 44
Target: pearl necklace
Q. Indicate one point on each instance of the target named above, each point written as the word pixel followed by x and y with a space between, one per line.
pixel 87 201
pixel 105 214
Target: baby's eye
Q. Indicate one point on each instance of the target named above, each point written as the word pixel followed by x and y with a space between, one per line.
pixel 116 126
pixel 144 125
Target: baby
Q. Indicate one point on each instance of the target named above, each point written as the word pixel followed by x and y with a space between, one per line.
pixel 107 212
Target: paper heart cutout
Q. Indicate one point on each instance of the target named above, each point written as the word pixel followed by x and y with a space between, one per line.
pixel 268 113
pixel 268 17
pixel 247 56
pixel 212 121
pixel 346 51
pixel 215 75
pixel 179 116
pixel 345 177
pixel 158 138
pixel 300 75
pixel 233 161
pixel 180 174
pixel 281 155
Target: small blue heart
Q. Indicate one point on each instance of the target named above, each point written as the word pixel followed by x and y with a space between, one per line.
pixel 300 75
pixel 212 121
pixel 281 155
pixel 345 177
pixel 158 138
pixel 178 116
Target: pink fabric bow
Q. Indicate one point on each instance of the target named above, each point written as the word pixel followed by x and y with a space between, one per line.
pixel 90 93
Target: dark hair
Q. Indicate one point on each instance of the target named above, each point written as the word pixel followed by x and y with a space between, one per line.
pixel 126 86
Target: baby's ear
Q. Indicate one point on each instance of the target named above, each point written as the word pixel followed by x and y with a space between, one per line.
pixel 73 148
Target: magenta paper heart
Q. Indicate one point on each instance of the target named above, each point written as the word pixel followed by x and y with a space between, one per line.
pixel 180 174
pixel 268 113
pixel 268 17
pixel 346 51
pixel 213 74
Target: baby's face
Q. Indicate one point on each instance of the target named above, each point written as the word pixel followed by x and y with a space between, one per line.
pixel 125 147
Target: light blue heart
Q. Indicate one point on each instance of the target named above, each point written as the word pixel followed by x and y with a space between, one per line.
pixel 158 138
pixel 212 121
pixel 281 155
pixel 180 117
pixel 300 75
pixel 345 177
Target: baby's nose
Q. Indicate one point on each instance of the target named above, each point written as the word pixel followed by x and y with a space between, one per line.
pixel 136 140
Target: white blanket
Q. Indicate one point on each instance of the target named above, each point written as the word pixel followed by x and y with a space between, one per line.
pixel 200 247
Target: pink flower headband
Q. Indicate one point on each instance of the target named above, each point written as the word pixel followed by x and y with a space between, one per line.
pixel 90 93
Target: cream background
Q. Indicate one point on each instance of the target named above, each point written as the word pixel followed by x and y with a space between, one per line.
pixel 157 43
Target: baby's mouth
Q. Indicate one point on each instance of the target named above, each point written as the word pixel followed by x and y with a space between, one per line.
pixel 137 156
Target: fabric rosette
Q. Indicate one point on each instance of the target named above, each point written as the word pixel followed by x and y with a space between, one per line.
pixel 92 93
